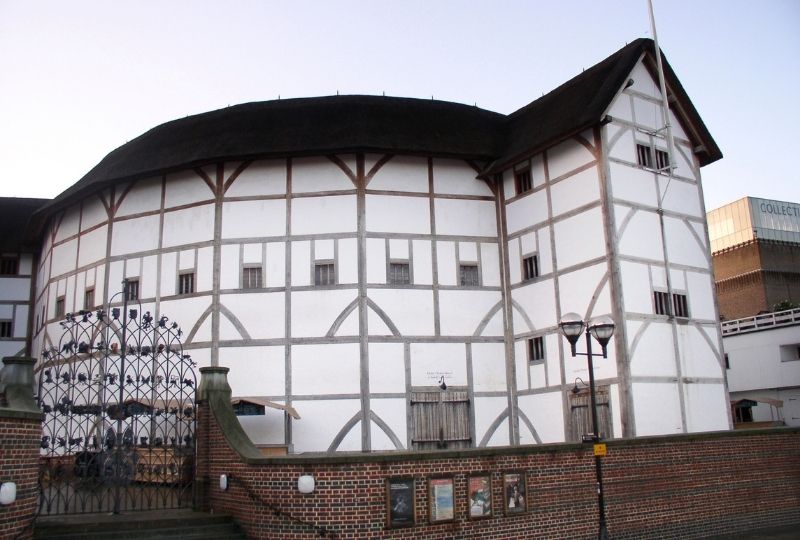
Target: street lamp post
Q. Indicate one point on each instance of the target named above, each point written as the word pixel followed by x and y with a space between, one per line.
pixel 572 326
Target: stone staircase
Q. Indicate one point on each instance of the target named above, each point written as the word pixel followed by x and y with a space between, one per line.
pixel 155 525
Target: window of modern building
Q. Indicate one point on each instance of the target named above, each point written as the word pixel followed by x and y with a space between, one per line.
pixel 88 298
pixel 61 307
pixel 9 266
pixel 468 275
pixel 251 277
pixel 535 349
pixel 440 419
pixel 644 156
pixel 399 273
pixel 661 302
pixel 680 307
pixel 133 289
pixel 324 273
pixel 186 283
pixel 522 181
pixel 530 266
pixel 662 160
pixel 5 329
pixel 581 413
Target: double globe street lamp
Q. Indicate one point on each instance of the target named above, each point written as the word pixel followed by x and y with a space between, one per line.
pixel 601 329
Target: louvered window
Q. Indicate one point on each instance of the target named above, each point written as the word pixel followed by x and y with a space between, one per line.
pixel 440 419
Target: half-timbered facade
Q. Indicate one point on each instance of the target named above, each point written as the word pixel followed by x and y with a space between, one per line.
pixel 394 269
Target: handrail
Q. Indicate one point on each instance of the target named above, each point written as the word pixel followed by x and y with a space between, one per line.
pixel 760 322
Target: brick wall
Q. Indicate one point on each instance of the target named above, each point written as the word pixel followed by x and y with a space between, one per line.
pixel 661 487
pixel 19 454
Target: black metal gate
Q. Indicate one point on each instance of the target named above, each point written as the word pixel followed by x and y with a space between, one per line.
pixel 117 395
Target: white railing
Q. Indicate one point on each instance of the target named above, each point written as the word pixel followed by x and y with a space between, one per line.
pixel 760 322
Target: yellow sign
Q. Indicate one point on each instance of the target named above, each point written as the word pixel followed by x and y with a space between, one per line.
pixel 600 450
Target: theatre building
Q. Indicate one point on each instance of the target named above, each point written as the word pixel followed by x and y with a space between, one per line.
pixel 384 273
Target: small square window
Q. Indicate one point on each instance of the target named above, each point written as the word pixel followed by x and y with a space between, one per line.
pixel 61 308
pixel 468 275
pixel 644 156
pixel 536 349
pixel 522 181
pixel 133 290
pixel 88 299
pixel 662 160
pixel 680 307
pixel 530 265
pixel 325 273
pixel 399 273
pixel 186 283
pixel 5 329
pixel 9 266
pixel 251 277
pixel 661 302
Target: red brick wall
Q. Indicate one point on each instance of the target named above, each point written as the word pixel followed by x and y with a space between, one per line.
pixel 19 455
pixel 664 487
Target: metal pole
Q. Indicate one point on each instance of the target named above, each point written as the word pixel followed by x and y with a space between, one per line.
pixel 121 398
pixel 602 532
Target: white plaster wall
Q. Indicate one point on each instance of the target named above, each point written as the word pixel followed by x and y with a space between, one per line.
pixel 699 358
pixel 93 246
pixel 604 368
pixel 656 408
pixel 143 196
pixel 461 312
pixel 255 371
pixel 376 260
pixel 568 156
pixel 14 289
pixel 683 246
pixel 402 173
pixel 310 175
pixel 577 289
pixel 314 312
pixel 314 367
pixel 248 219
pixel 756 360
pixel 387 369
pixel 488 367
pixel 64 257
pixel 642 234
pixel 579 238
pixel 680 196
pixel 701 296
pixel 538 300
pixel 574 191
pixel 347 264
pixel 636 287
pixel 397 214
pixel 423 274
pixel 393 413
pixel 706 407
pixel 149 268
pixel 648 113
pixel 267 429
pixel 545 411
pixel 260 178
pixel 320 423
pixel 465 217
pixel 411 311
pixel 301 263
pixel 457 178
pixel 187 187
pixel 622 144
pixel 187 226
pixel 93 213
pixel 633 185
pixel 487 410
pixel 324 215
pixel 490 264
pixel 430 360
pixel 514 261
pixel 68 225
pixel 276 264
pixel 654 353
pixel 262 314
pixel 526 211
pixel 447 266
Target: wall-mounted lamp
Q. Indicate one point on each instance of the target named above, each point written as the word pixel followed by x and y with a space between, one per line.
pixel 223 482
pixel 576 388
pixel 8 493
pixel 305 484
pixel 442 384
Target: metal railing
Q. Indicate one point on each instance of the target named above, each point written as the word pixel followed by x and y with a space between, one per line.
pixel 761 322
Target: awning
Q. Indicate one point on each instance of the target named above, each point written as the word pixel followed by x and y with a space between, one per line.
pixel 266 403
pixel 752 402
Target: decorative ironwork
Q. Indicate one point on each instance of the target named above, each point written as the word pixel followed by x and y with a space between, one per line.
pixel 117 395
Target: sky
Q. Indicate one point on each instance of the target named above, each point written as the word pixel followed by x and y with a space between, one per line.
pixel 80 78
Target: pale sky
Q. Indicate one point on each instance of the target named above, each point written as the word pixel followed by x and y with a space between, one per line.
pixel 80 78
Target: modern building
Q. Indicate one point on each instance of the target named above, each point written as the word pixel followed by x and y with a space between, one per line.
pixel 393 270
pixel 762 356
pixel 755 246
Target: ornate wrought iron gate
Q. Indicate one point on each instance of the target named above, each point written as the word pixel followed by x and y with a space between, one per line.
pixel 117 395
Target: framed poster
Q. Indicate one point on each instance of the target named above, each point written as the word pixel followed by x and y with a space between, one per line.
pixel 441 499
pixel 514 492
pixel 400 502
pixel 479 489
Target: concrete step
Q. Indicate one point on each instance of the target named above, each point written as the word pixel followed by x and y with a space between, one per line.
pixel 152 525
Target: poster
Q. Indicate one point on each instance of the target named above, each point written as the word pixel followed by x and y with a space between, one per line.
pixel 441 496
pixel 514 492
pixel 400 502
pixel 479 489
